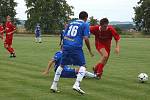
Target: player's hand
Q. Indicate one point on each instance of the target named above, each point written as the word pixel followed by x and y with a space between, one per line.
pixel 45 72
pixel 117 50
pixel 9 33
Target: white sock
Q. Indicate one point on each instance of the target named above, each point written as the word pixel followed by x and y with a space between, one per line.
pixel 89 74
pixel 54 84
pixel 40 39
pixel 80 75
pixel 36 39
pixel 56 77
pixel 57 74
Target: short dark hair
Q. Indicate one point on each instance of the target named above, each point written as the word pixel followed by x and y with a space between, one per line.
pixel 83 15
pixel 104 21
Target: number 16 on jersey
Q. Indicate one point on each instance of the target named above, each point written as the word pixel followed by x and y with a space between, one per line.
pixel 72 31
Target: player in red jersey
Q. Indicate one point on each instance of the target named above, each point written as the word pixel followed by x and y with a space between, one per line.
pixel 1 31
pixel 9 28
pixel 103 36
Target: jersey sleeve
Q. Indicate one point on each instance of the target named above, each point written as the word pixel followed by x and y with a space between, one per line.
pixel 57 56
pixel 94 29
pixel 12 26
pixel 115 34
pixel 86 31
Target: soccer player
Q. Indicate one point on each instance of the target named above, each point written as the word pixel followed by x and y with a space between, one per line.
pixel 103 36
pixel 67 71
pixel 9 28
pixel 62 34
pixel 1 31
pixel 72 53
pixel 61 37
pixel 37 31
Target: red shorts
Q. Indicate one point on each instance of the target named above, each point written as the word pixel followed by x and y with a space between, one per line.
pixel 99 46
pixel 8 40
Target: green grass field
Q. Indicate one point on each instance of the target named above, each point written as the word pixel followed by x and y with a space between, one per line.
pixel 21 78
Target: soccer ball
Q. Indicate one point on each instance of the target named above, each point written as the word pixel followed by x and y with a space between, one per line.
pixel 143 77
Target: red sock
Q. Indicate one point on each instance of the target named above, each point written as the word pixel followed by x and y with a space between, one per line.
pixel 100 69
pixel 96 67
pixel 11 50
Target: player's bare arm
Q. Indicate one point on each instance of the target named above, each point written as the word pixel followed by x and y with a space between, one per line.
pixel 87 42
pixel 1 31
pixel 47 70
pixel 11 32
pixel 117 48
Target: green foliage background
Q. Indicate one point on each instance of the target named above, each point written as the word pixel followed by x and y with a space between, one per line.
pixel 142 16
pixel 51 14
pixel 7 7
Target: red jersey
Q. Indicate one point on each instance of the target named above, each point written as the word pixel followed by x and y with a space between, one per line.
pixel 9 27
pixel 104 37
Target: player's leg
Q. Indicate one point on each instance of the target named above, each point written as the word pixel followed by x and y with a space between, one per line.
pixel 89 74
pixel 8 46
pixel 69 72
pixel 40 39
pixel 102 62
pixel 79 78
pixel 36 37
pixel 79 59
pixel 2 36
pixel 98 48
pixel 56 79
pixel 59 71
pixel 11 50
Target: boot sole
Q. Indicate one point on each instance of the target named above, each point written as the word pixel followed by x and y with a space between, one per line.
pixel 78 91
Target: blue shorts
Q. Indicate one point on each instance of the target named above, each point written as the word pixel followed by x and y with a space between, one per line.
pixel 68 72
pixel 37 34
pixel 73 57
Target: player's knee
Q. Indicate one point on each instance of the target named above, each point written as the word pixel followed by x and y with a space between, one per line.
pixel 105 56
pixel 62 66
pixel 82 69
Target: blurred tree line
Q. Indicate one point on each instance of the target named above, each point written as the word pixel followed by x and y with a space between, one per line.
pixel 7 7
pixel 50 14
pixel 142 16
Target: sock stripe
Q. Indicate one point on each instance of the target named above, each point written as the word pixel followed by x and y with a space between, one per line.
pixel 81 73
